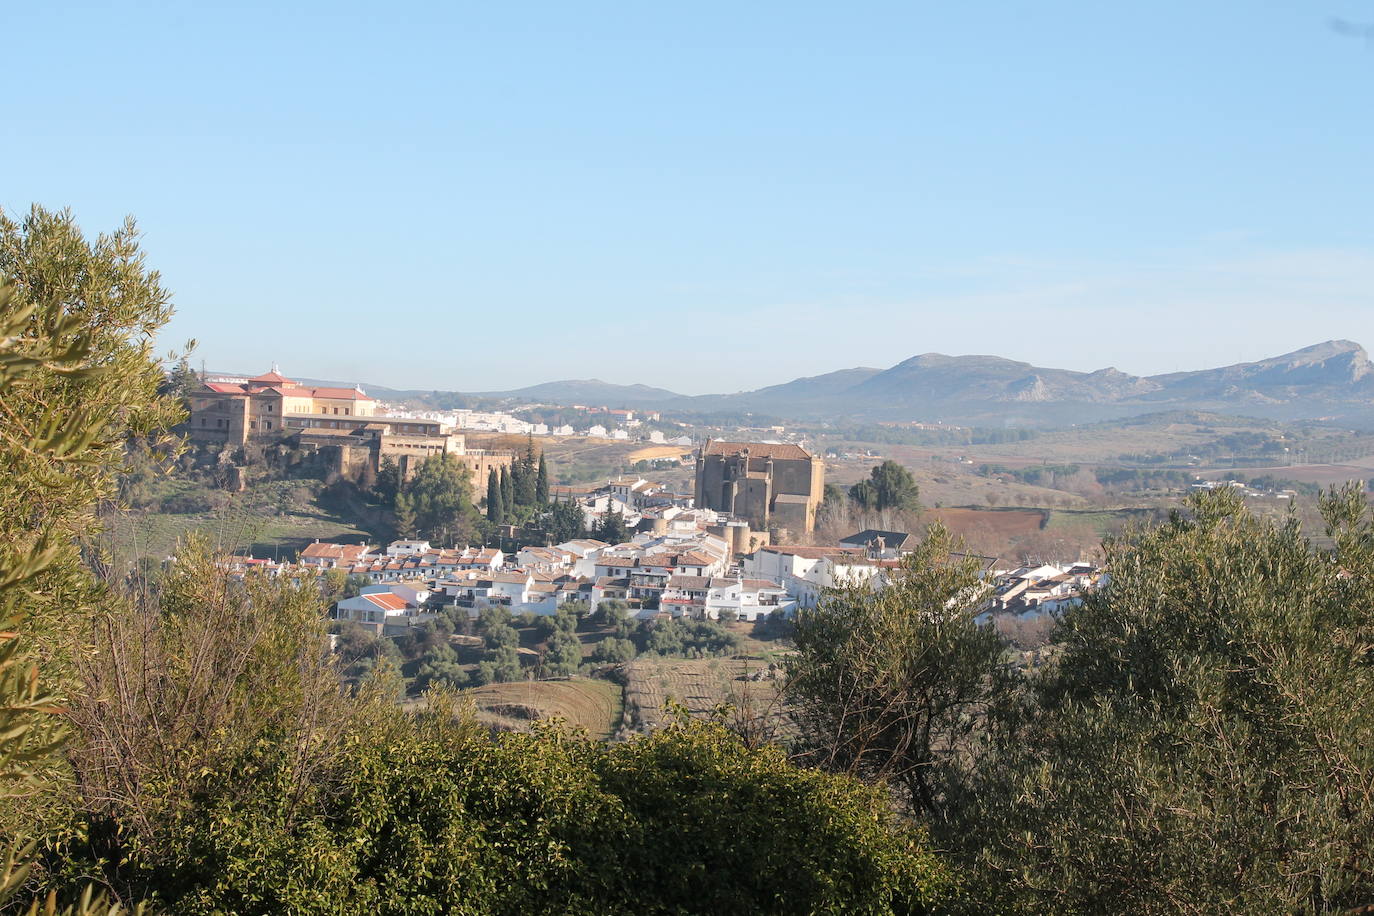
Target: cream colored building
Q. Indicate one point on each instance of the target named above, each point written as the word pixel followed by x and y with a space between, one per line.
pixel 262 407
pixel 341 421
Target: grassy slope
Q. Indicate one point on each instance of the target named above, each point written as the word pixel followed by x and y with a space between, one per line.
pixel 270 519
pixel 588 703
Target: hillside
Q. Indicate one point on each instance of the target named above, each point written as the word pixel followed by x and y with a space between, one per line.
pixel 1333 381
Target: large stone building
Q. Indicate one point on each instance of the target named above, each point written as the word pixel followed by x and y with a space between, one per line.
pixel 236 412
pixel 339 422
pixel 766 484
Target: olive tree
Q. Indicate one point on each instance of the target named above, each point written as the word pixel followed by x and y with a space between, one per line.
pixel 1206 740
pixel 888 682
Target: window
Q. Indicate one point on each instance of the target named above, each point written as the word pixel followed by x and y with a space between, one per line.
pixel 269 424
pixel 336 411
pixel 345 411
pixel 252 424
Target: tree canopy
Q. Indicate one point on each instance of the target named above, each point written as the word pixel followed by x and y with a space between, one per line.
pixel 77 379
pixel 889 486
pixel 1203 739
pixel 436 502
pixel 884 684
pixel 565 521
pixel 496 509
pixel 1208 734
pixel 611 528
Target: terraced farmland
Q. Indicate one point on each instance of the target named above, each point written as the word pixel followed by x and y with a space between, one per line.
pixel 582 702
pixel 700 685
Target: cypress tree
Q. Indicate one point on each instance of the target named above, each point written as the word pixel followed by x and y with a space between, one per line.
pixel 541 483
pixel 507 490
pixel 523 477
pixel 496 510
pixel 517 481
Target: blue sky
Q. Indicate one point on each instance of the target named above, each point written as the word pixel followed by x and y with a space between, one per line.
pixel 713 196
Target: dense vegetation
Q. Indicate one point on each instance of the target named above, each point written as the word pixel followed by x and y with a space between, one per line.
pixel 1201 739
pixel 427 656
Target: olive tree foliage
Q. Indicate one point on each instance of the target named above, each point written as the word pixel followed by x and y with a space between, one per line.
pixel 888 683
pixel 77 377
pixel 182 687
pixel 1206 741
pixel 81 379
pixel 31 733
pixel 431 814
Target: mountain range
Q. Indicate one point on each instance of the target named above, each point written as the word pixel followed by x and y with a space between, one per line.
pixel 1331 381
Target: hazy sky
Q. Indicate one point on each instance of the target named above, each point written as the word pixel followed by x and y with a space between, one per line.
pixel 713 196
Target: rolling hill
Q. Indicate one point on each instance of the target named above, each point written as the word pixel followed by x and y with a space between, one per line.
pixel 1333 380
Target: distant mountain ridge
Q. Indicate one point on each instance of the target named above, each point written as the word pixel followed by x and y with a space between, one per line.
pixel 1329 380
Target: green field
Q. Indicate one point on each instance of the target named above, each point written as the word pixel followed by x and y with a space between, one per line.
pixel 1101 522
pixel 274 520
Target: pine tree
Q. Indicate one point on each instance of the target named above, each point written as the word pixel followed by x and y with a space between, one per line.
pixel 437 501
pixel 388 480
pixel 541 483
pixel 181 379
pixel 496 510
pixel 612 528
pixel 566 521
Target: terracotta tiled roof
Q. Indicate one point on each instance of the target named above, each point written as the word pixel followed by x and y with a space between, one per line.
pixel 627 562
pixel 272 378
pixel 317 551
pixel 756 449
pixel 387 601
pixel 278 384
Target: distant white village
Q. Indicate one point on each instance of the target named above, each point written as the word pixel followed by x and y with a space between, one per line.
pixel 683 562
pixel 602 423
pixel 706 555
